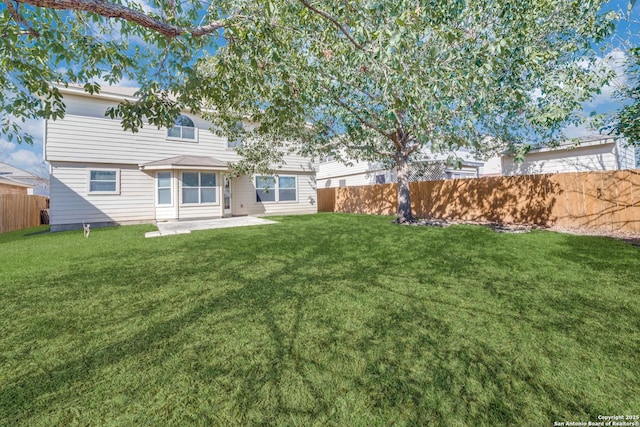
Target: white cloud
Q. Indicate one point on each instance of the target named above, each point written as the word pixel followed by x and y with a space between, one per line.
pixel 578 131
pixel 614 61
pixel 25 159
pixel 6 146
pixel 34 127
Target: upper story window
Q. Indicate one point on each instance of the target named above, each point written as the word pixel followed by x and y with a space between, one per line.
pixel 184 128
pixel 326 158
pixel 236 142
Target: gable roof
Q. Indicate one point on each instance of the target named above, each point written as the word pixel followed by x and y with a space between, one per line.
pixel 186 162
pixel 8 171
pixel 8 181
pixel 571 144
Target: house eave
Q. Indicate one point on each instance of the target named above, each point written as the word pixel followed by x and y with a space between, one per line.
pixel 582 143
pixel 104 93
pixel 15 183
pixel 183 167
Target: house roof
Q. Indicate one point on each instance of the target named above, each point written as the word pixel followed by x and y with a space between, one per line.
pixel 8 181
pixel 571 144
pixel 6 170
pixel 186 162
pixel 115 93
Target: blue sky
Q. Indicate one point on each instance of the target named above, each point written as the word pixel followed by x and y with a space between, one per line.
pixel 30 157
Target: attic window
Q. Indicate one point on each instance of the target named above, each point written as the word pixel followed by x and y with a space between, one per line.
pixel 184 128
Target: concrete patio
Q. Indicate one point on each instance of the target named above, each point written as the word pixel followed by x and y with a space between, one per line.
pixel 185 227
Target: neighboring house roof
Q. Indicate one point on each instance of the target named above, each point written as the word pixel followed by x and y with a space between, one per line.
pixel 7 170
pixel 8 181
pixel 18 177
pixel 571 144
pixel 193 162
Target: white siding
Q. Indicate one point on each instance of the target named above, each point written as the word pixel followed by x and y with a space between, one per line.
pixel 334 174
pixel 85 135
pixel 85 139
pixel 244 198
pixel 580 159
pixel 72 204
pixel 492 167
pixel 626 154
pixel 87 106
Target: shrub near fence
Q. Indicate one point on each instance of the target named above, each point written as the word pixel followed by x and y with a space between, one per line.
pixel 604 201
pixel 18 211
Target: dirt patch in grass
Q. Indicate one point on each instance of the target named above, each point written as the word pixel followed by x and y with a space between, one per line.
pixel 495 226
pixel 631 238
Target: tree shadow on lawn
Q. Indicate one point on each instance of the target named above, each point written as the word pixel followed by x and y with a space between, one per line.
pixel 355 349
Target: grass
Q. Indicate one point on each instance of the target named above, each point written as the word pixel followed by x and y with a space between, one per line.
pixel 327 319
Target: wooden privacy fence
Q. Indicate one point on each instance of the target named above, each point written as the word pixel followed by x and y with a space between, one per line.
pixel 18 211
pixel 607 201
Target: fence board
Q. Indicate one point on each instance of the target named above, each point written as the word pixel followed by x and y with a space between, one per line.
pixel 605 201
pixel 326 200
pixel 18 211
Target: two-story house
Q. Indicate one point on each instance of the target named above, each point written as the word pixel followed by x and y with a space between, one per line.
pixel 103 175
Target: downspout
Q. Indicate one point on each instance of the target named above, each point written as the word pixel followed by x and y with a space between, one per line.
pixel 617 154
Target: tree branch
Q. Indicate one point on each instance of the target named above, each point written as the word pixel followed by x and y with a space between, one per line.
pixel 19 19
pixel 369 147
pixel 112 10
pixel 335 22
pixel 365 122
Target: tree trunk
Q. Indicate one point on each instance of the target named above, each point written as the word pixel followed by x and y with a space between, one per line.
pixel 404 195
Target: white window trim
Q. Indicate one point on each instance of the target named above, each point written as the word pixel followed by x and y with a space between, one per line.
pixel 277 189
pixel 173 138
pixel 180 138
pixel 164 205
pixel 115 192
pixel 217 189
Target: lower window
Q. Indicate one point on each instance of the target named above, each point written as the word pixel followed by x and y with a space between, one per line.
pixel 104 181
pixel 164 188
pixel 198 188
pixel 276 189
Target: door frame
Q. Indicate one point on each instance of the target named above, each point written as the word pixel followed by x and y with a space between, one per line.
pixel 227 195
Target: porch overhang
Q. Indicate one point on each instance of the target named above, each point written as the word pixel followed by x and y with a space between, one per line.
pixel 200 163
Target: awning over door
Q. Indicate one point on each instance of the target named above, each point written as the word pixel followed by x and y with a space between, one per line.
pixel 186 162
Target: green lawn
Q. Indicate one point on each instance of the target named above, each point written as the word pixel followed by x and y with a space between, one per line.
pixel 326 319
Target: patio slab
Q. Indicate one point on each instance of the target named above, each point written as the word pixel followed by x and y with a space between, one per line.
pixel 186 227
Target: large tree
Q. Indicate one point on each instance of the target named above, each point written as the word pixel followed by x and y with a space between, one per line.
pixel 626 121
pixel 376 80
pixel 391 81
pixel 154 44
